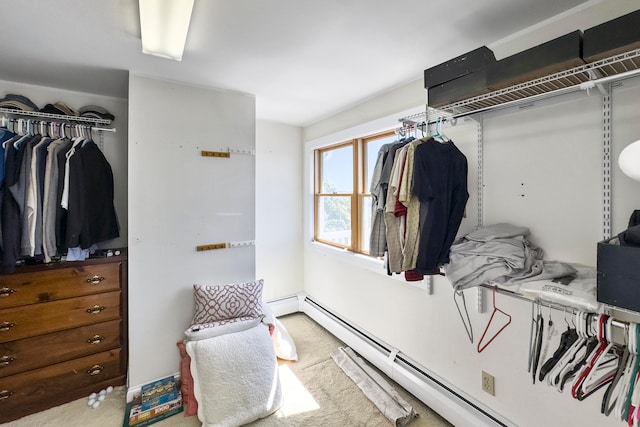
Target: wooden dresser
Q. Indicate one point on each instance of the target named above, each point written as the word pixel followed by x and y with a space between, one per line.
pixel 63 333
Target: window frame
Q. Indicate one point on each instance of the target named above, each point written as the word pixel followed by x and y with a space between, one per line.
pixel 318 194
pixel 358 195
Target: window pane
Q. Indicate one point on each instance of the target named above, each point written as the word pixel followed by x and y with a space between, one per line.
pixel 337 171
pixel 334 219
pixel 365 232
pixel 371 155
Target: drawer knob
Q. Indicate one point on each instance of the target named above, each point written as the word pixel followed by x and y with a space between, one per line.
pixel 96 339
pixel 5 326
pixel 5 394
pixel 5 292
pixel 95 309
pixel 95 279
pixel 5 360
pixel 95 370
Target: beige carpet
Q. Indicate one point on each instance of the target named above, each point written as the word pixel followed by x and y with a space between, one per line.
pixel 317 393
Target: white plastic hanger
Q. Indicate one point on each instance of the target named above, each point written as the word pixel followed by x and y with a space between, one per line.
pixel 621 396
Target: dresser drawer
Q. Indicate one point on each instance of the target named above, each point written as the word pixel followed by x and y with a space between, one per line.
pixel 37 319
pixel 32 388
pixel 26 354
pixel 57 283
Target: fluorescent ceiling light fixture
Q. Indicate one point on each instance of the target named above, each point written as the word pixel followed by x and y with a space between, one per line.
pixel 164 25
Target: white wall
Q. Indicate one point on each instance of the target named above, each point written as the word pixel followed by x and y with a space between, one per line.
pixel 279 258
pixel 179 200
pixel 556 151
pixel 542 169
pixel 115 144
pixel 403 98
pixel 587 15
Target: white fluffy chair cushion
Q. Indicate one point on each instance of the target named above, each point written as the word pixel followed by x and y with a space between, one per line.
pixel 235 375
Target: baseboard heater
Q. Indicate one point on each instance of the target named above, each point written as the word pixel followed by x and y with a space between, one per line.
pixel 452 404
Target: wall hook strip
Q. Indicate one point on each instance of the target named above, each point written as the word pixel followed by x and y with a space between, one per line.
pixel 214 154
pixel 238 244
pixel 227 153
pixel 211 247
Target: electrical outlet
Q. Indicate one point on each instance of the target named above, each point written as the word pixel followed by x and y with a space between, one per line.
pixel 488 383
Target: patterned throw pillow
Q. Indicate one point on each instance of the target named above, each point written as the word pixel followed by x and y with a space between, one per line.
pixel 223 302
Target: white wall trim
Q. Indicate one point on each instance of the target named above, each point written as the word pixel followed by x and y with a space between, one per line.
pixel 285 305
pixel 451 403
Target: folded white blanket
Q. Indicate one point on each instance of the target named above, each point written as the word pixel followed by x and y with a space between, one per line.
pixel 235 375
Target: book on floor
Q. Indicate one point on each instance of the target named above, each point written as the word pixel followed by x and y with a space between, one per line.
pixel 156 401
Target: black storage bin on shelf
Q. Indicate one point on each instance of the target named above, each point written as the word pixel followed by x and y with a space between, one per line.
pixel 551 57
pixel 467 86
pixel 458 67
pixel 612 37
pixel 618 282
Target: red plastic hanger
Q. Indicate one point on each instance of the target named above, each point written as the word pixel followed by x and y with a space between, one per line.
pixel 481 347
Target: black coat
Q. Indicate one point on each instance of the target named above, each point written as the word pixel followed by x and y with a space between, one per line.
pixel 91 217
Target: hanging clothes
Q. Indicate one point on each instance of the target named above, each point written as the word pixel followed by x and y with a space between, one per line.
pixel 49 206
pixel 100 215
pixel 34 224
pixel 440 183
pixel 395 223
pixel 12 204
pixel 60 219
pixel 412 205
pixel 34 198
pixel 377 239
pixel 419 191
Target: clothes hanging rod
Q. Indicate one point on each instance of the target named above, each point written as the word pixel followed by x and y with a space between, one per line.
pixel 101 129
pixel 551 304
pixel 56 117
pixel 96 128
pixel 415 118
pixel 620 325
pixel 541 301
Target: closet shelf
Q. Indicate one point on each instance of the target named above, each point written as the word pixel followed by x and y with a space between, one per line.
pixel 586 76
pixel 57 117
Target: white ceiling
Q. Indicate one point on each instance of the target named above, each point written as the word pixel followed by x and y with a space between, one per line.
pixel 303 60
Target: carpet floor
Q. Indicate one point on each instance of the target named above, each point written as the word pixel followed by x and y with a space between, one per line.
pixel 316 391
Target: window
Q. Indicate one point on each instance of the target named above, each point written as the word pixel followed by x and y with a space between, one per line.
pixel 343 203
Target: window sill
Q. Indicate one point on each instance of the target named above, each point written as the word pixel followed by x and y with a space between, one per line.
pixel 375 265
